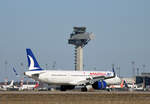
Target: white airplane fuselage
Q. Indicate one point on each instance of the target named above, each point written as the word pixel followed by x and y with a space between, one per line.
pixel 65 77
pixel 26 87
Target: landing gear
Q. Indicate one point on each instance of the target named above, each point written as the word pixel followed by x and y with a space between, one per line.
pixel 63 88
pixel 84 89
pixel 109 90
pixel 66 87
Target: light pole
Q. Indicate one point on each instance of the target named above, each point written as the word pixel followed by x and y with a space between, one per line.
pixel 143 65
pixel 133 68
pixel 137 71
pixel 46 65
pixel 54 65
pixel 6 74
pixel 118 68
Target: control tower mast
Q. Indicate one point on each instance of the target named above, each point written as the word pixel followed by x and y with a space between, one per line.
pixel 79 38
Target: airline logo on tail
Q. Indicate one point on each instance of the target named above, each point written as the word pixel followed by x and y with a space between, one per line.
pixel 32 63
pixel 17 75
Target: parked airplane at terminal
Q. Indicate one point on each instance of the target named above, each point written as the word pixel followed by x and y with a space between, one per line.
pixel 25 86
pixel 67 79
pixel 7 87
pixel 28 86
pixel 17 75
pixel 113 81
pixel 119 86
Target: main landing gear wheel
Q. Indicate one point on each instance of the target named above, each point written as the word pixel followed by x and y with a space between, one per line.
pixel 62 88
pixel 84 89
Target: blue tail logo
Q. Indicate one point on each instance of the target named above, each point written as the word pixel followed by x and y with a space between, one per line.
pixel 32 62
pixel 113 70
pixel 17 75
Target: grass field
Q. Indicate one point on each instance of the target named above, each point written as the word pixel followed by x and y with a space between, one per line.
pixel 74 98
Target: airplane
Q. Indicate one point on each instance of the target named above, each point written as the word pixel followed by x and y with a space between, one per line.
pixel 108 82
pixel 25 86
pixel 122 85
pixel 28 86
pixel 17 75
pixel 113 81
pixel 8 87
pixel 66 79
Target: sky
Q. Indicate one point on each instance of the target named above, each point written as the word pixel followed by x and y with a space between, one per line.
pixel 120 27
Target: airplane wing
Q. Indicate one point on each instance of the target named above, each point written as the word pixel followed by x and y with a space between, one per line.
pixel 91 80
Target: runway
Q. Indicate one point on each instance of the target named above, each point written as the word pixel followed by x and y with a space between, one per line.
pixel 71 92
pixel 70 97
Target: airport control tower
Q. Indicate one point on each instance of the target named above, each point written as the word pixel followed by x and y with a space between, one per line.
pixel 79 38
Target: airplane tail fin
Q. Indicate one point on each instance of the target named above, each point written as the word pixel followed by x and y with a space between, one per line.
pixel 122 83
pixel 32 62
pixel 37 85
pixel 126 85
pixel 12 83
pixel 17 75
pixel 113 70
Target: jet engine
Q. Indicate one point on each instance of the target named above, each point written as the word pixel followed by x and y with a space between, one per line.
pixel 99 85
